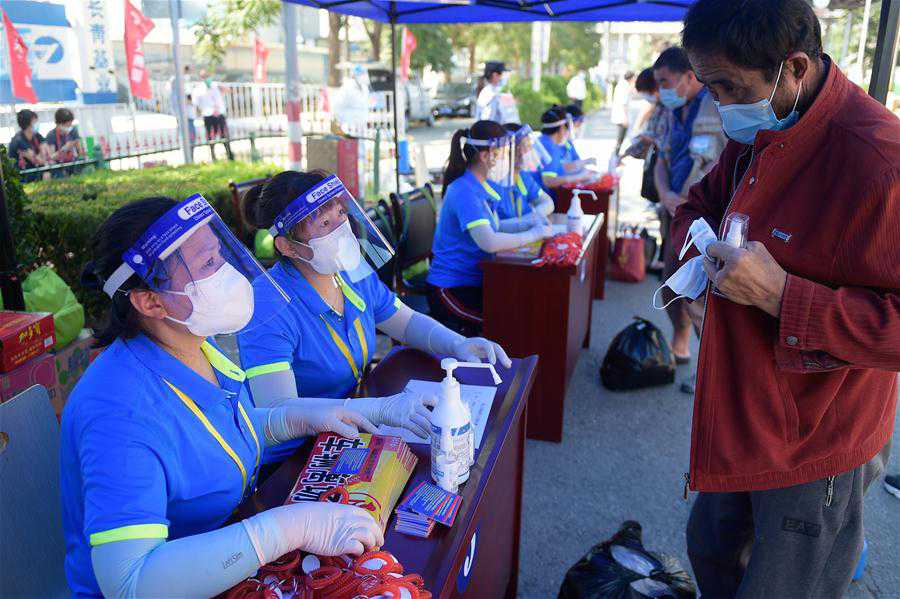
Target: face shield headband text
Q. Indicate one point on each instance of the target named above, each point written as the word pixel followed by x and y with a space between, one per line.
pixel 307 203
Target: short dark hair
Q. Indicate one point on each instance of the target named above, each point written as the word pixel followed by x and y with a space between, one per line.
pixel 629 75
pixel 574 111
pixel 24 117
pixel 646 82
pixel 554 114
pixel 63 115
pixel 754 34
pixel 675 59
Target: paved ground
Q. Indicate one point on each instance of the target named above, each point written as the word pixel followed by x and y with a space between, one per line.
pixel 624 453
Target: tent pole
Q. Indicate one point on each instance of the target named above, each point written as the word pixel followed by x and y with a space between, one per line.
pixel 396 97
pixel 885 50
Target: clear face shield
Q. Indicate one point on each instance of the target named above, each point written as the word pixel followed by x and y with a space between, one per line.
pixel 527 157
pixel 206 279
pixel 499 152
pixel 544 158
pixel 576 131
pixel 331 233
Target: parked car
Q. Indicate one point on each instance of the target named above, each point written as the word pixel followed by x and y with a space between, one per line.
pixel 455 99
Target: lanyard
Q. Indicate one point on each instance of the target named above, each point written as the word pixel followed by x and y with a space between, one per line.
pixel 218 437
pixel 342 346
pixel 523 192
pixel 491 192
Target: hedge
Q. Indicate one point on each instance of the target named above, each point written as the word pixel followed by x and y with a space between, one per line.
pixel 54 220
pixel 532 104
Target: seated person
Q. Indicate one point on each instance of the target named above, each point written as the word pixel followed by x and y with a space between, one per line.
pixel 64 141
pixel 469 229
pixel 159 439
pixel 525 195
pixel 572 161
pixel 321 345
pixel 27 149
pixel 554 134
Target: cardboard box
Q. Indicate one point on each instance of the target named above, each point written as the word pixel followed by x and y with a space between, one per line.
pixel 338 156
pixel 23 336
pixel 71 362
pixel 37 371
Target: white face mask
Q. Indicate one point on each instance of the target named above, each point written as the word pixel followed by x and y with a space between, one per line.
pixel 499 171
pixel 690 280
pixel 222 303
pixel 335 251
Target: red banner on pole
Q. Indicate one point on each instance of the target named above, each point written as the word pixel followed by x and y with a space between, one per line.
pixel 409 46
pixel 20 72
pixel 260 56
pixel 137 26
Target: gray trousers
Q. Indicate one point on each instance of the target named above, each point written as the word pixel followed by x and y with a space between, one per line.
pixel 800 541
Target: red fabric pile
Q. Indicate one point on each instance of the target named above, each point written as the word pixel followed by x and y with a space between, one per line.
pixel 562 249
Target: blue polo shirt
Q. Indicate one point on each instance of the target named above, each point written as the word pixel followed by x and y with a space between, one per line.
pixel 570 154
pixel 555 167
pixel 518 199
pixel 137 459
pixel 467 204
pixel 680 161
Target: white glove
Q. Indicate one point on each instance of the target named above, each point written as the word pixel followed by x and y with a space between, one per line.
pixel 540 232
pixel 319 527
pixel 311 417
pixel 534 218
pixel 473 349
pixel 406 409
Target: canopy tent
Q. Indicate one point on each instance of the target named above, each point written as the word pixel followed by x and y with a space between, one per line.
pixel 504 11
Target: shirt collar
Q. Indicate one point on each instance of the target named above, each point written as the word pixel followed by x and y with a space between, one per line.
pixel 311 298
pixel 202 392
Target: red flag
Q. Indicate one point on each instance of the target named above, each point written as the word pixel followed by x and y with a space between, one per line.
pixel 260 55
pixel 137 26
pixel 20 72
pixel 409 46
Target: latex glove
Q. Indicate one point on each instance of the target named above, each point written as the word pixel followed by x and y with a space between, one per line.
pixel 406 409
pixel 474 349
pixel 535 218
pixel 541 231
pixel 308 417
pixel 318 527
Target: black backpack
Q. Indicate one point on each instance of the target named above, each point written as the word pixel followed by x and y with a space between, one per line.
pixel 639 356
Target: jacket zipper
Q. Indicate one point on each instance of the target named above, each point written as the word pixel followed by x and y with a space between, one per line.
pixel 687 475
pixel 829 493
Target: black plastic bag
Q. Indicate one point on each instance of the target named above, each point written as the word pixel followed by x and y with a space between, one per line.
pixel 651 247
pixel 621 568
pixel 639 356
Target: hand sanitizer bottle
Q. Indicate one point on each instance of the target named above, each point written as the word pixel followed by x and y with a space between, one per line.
pixel 575 213
pixel 452 435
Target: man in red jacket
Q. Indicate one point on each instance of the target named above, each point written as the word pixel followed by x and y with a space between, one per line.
pixel 797 387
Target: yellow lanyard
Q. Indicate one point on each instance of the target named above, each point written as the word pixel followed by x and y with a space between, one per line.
pixel 346 350
pixel 218 437
pixel 491 192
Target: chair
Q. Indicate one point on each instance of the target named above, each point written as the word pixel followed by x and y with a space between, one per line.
pixel 381 215
pixel 415 219
pixel 32 550
pixel 245 230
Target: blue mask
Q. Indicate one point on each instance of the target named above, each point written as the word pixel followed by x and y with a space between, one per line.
pixel 671 99
pixel 741 122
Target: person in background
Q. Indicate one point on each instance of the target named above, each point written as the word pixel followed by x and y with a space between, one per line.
pixel 159 439
pixel 554 135
pixel 525 195
pixel 208 100
pixel 797 374
pixel 572 161
pixel 27 148
pixel 618 114
pixel 576 89
pixel 322 344
pixel 64 141
pixel 488 101
pixel 469 229
pixel 650 130
pixel 693 142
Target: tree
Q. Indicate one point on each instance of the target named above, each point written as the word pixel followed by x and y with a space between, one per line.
pixel 374 29
pixel 574 44
pixel 335 22
pixel 227 22
pixel 433 48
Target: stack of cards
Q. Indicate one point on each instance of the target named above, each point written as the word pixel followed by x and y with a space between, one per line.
pixel 424 506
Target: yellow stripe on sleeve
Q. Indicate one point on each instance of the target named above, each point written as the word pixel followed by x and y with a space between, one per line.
pixel 267 369
pixel 477 223
pixel 126 533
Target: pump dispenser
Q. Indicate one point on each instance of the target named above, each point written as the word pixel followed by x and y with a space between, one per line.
pixel 452 435
pixel 574 214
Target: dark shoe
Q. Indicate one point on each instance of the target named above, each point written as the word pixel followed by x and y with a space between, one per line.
pixel 680 360
pixel 892 484
pixel 688 385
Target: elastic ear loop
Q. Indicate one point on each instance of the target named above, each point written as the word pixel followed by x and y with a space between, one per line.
pixel 667 304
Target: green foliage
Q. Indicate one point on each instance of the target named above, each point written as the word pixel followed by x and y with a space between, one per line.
pixel 576 45
pixel 433 48
pixel 60 215
pixel 532 104
pixel 554 86
pixel 228 21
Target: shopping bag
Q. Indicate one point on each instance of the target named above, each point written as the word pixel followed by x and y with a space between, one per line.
pixel 628 259
pixel 639 356
pixel 45 291
pixel 620 568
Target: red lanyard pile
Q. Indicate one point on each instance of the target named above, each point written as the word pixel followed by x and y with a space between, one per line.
pixel 560 250
pixel 376 573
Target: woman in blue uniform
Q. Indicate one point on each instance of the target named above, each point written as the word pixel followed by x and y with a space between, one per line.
pixel 469 229
pixel 524 196
pixel 160 441
pixel 321 345
pixel 554 137
pixel 572 161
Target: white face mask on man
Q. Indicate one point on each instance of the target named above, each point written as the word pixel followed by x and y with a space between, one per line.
pixel 222 303
pixel 334 251
pixel 690 280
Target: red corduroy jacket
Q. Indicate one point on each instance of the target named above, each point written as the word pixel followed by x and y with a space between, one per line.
pixel 784 401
